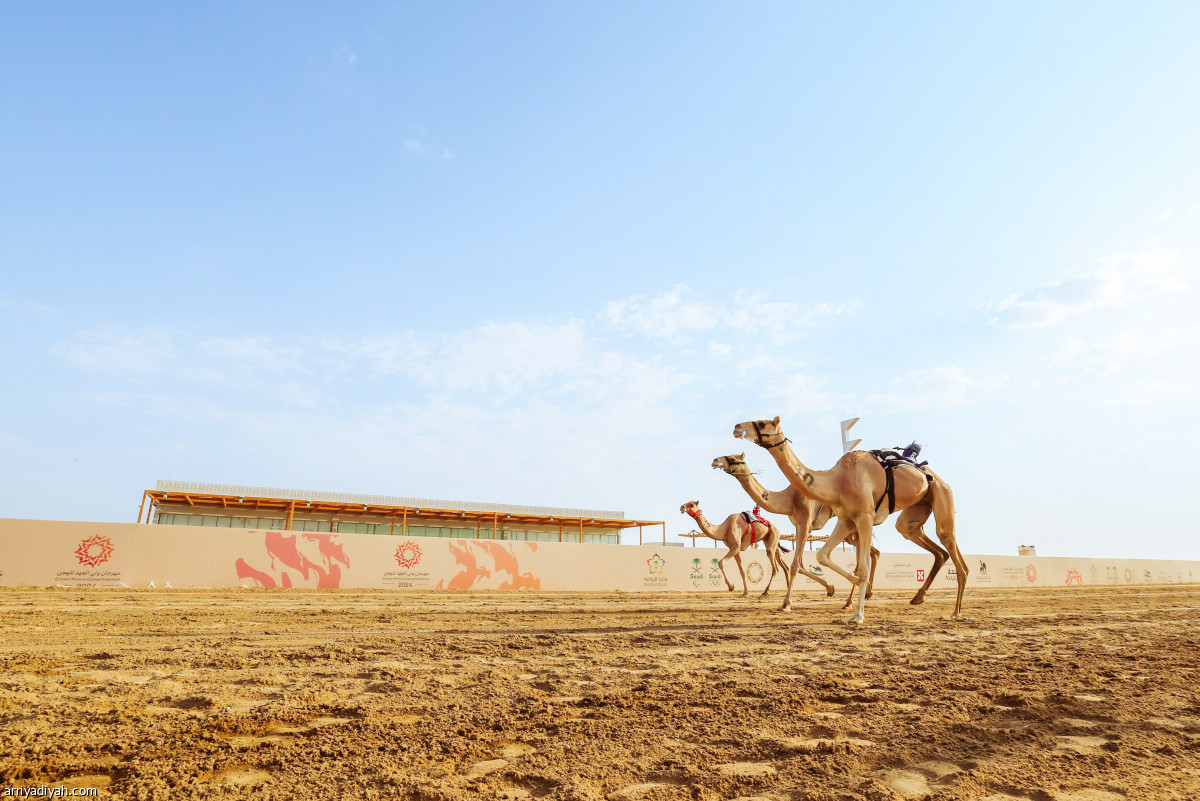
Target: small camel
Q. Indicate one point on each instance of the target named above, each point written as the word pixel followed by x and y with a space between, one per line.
pixel 799 510
pixel 861 496
pixel 739 535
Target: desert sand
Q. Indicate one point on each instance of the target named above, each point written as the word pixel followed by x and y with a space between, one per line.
pixel 1075 694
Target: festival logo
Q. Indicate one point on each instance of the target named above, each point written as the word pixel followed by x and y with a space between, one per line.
pixel 1031 574
pixel 656 564
pixel 94 551
pixel 408 554
pixel 1128 575
pixel 1074 577
pixel 754 572
pixel 983 569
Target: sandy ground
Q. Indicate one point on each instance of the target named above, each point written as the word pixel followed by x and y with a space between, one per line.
pixel 1071 695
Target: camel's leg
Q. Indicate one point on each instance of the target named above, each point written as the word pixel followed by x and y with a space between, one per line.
pixel 943 515
pixel 870 581
pixel 798 564
pixel 851 540
pixel 721 564
pixel 863 524
pixel 840 532
pixel 773 558
pixel 909 525
pixel 737 557
pixel 874 564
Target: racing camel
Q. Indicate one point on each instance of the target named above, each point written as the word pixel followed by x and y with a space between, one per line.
pixel 862 494
pixel 738 535
pixel 792 503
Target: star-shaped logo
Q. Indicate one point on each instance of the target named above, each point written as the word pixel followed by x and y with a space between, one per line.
pixel 408 554
pixel 94 551
pixel 656 563
pixel 1031 574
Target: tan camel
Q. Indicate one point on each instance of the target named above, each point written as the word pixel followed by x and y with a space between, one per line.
pixel 858 490
pixel 739 535
pixel 799 510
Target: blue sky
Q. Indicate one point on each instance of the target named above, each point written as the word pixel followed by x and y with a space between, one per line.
pixel 552 253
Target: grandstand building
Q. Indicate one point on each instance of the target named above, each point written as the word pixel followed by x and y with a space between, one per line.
pixel 179 503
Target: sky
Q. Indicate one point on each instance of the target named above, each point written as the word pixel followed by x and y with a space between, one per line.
pixel 551 253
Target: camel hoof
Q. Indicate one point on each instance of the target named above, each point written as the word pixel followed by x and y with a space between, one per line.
pixel 868 595
pixel 854 620
pixel 785 607
pixel 918 600
pixel 829 591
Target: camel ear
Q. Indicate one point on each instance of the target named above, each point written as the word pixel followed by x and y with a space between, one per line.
pixel 776 419
pixel 742 456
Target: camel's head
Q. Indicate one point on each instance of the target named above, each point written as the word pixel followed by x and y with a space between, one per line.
pixel 766 433
pixel 691 508
pixel 730 463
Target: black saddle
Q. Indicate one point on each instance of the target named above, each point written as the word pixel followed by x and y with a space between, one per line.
pixel 891 458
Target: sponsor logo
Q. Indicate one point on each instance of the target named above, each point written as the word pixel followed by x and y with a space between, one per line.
pixel 1074 577
pixel 920 574
pixel 656 564
pixel 697 572
pixel 94 551
pixel 1031 574
pixel 715 579
pixel 983 569
pixel 408 554
pixel 754 572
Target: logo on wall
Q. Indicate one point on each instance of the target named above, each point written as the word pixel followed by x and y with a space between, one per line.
pixel 697 570
pixel 754 572
pixel 408 554
pixel 983 568
pixel 94 551
pixel 1094 572
pixel 1031 574
pixel 920 574
pixel 714 573
pixel 1128 575
pixel 656 564
pixel 1074 577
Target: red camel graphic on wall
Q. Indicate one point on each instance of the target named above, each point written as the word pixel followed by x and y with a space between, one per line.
pixel 504 560
pixel 471 571
pixel 287 549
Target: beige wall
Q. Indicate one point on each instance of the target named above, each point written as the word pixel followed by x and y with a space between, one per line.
pixel 48 553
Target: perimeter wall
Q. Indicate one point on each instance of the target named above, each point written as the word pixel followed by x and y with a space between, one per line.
pixel 72 554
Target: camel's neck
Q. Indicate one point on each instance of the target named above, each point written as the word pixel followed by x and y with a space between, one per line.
pixel 760 494
pixel 705 526
pixel 813 484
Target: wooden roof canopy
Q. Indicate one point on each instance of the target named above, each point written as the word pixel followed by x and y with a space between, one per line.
pixel 291 505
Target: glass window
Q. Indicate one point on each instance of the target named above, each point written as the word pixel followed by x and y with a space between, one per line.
pixel 223 522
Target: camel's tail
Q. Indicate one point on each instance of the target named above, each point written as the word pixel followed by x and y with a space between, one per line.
pixel 785 550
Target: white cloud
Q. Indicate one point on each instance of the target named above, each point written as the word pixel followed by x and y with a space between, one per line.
pixel 349 54
pixel 676 314
pixel 414 145
pixel 137 353
pixel 1119 281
